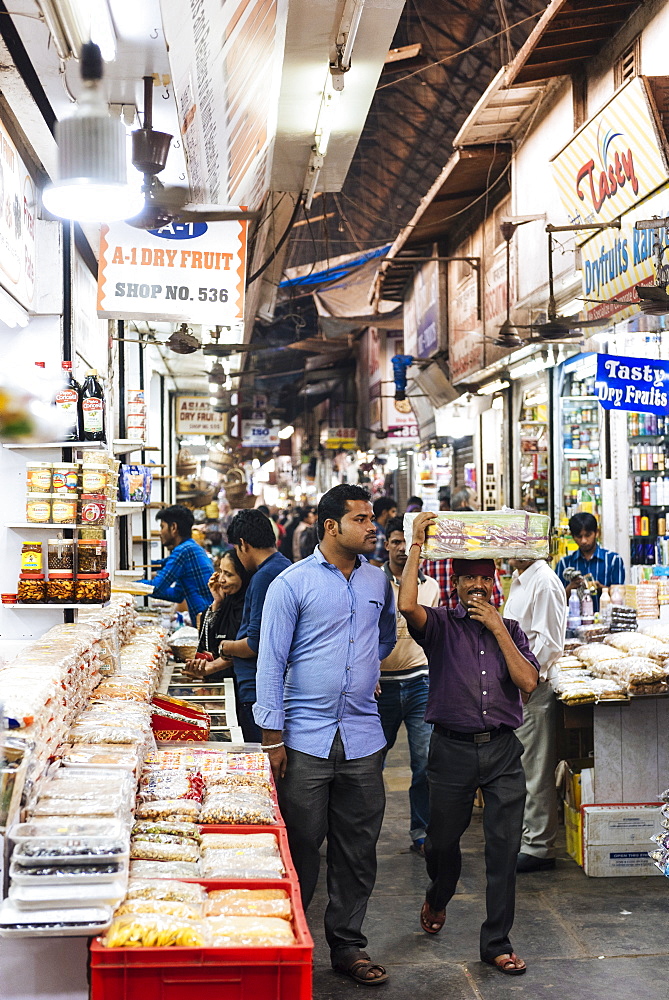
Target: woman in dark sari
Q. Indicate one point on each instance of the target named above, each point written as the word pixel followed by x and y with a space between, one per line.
pixel 222 618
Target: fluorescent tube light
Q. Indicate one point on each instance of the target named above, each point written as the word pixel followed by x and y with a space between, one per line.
pixel 73 22
pixel 490 387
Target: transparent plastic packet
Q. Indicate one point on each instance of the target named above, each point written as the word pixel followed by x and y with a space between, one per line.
pixel 249 903
pixel 164 869
pixel 238 807
pixel 94 732
pixel 166 828
pixel 235 841
pixel 662 840
pixel 153 930
pixel 260 932
pixel 103 805
pixel 165 907
pixel 224 781
pixel 124 690
pixel 169 809
pixel 148 850
pixel 228 864
pixel 171 889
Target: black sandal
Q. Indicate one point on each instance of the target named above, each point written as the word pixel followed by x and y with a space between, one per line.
pixel 359 968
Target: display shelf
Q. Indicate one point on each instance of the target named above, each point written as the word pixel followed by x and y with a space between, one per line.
pixel 580 399
pixel 128 444
pixel 128 507
pixel 24 525
pixel 101 445
pixel 55 607
pixel 647 437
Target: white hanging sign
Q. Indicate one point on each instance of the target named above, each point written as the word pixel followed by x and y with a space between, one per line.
pixel 185 272
pixel 195 416
pixel 256 435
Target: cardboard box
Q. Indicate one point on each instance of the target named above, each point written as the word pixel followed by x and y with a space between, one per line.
pixel 573 823
pixel 625 825
pixel 610 860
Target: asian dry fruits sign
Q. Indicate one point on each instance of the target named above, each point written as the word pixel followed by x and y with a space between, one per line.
pixel 195 416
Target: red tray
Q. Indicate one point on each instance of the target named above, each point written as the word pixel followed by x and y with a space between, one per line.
pixel 282 973
pixel 278 831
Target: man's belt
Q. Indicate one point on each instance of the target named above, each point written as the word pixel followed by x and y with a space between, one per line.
pixel 486 737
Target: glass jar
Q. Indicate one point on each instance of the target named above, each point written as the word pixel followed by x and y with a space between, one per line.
pixel 61 554
pixel 38 508
pixel 93 508
pixel 91 588
pixel 38 477
pixel 64 508
pixel 91 556
pixel 60 588
pixel 65 477
pixel 94 477
pixel 31 588
pixel 31 557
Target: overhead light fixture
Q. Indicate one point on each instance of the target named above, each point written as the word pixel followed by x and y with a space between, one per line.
pixel 326 114
pixel 529 368
pixel 490 387
pixel 286 432
pixel 92 183
pixel 72 23
pixel 348 30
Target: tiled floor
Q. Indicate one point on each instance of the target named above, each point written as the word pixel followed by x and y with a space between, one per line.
pixel 582 938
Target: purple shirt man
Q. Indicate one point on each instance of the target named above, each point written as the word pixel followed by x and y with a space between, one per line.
pixel 471 689
pixel 479 663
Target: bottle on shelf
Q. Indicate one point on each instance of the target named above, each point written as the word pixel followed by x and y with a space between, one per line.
pixel 68 401
pixel 587 610
pixel 605 604
pixel 92 408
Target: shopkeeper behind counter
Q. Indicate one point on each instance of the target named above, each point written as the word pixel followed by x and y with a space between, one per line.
pixel 186 572
pixel 606 567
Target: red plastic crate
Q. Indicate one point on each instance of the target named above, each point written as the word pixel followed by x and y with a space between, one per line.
pixel 209 973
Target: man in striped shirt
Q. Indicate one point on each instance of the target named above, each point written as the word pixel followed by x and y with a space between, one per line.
pixel 605 567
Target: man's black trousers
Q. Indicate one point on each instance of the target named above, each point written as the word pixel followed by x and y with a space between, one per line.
pixel 455 770
pixel 343 800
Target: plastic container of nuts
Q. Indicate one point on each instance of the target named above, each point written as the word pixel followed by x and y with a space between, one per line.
pixel 60 554
pixel 60 588
pixel 31 588
pixel 92 588
pixel 92 556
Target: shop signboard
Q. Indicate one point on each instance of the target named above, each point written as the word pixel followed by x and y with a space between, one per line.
pixel 185 272
pixel 226 61
pixel 194 415
pixel 339 437
pixel 256 434
pixel 638 384
pixel 17 223
pixel 614 160
pixel 614 261
pixel 465 335
pixel 426 313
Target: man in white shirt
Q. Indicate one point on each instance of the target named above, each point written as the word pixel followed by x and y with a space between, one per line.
pixel 404 686
pixel 537 602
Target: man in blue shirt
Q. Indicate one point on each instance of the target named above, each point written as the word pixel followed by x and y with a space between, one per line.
pixel 329 620
pixel 606 567
pixel 252 535
pixel 185 573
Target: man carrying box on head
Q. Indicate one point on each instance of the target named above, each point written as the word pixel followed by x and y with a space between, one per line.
pixel 479 664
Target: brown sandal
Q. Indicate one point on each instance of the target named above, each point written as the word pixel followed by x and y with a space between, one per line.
pixel 427 922
pixel 359 969
pixel 506 964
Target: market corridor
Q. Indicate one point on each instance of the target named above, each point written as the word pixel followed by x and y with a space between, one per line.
pixel 582 938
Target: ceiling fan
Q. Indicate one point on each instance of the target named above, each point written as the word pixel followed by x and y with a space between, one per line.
pixel 166 204
pixel 554 327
